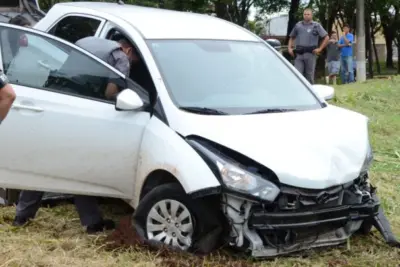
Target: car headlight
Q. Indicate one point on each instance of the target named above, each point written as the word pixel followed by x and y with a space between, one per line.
pixel 368 161
pixel 237 178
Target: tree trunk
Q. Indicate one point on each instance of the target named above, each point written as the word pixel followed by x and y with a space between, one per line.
pixel 294 7
pixel 398 57
pixel 378 65
pixel 368 44
pixel 389 38
pixel 221 10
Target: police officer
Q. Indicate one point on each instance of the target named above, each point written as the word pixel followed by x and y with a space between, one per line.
pixel 7 96
pixel 306 34
pixel 120 55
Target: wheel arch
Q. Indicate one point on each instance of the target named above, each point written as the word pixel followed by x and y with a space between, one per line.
pixel 166 156
pixel 157 178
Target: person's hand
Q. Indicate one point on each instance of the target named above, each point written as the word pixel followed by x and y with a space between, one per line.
pixel 290 50
pixel 317 51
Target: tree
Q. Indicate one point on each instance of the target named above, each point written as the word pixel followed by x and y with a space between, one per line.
pixel 294 8
pixel 237 11
pixel 386 11
pixel 396 22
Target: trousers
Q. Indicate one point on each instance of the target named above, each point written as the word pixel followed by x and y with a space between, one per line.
pixel 346 72
pixel 87 207
pixel 305 64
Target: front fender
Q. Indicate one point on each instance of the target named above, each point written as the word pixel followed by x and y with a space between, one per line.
pixel 163 149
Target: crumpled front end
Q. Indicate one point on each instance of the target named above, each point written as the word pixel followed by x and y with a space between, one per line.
pixel 301 219
pixel 269 217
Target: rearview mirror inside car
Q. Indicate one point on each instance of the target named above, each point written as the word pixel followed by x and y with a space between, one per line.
pixel 128 100
pixel 324 91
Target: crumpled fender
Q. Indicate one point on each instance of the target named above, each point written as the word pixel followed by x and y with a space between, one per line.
pixel 163 149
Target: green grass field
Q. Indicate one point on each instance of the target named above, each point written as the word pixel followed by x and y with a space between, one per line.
pixel 55 238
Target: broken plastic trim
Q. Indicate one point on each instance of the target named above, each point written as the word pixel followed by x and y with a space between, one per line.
pixel 291 220
pixel 206 192
pixel 382 224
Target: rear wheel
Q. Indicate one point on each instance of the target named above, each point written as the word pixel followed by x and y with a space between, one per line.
pixel 170 217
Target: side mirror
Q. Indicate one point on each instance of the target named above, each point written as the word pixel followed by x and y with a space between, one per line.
pixel 128 100
pixel 324 91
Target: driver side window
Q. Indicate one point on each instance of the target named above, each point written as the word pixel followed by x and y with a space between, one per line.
pixel 43 63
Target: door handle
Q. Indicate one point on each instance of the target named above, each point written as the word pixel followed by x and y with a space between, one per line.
pixel 44 65
pixel 25 107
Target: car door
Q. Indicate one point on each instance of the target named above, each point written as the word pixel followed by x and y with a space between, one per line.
pixel 61 134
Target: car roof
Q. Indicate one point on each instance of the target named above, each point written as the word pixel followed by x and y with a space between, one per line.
pixel 157 23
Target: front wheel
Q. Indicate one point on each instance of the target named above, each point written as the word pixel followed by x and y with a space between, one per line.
pixel 170 217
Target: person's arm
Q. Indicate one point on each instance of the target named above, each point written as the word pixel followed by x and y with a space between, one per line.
pixel 292 38
pixel 323 34
pixel 121 63
pixel 7 96
pixel 348 41
pixel 340 43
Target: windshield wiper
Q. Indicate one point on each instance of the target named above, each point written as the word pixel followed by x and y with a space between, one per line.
pixel 272 110
pixel 204 110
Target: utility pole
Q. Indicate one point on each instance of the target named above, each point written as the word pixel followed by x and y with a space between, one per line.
pixel 361 70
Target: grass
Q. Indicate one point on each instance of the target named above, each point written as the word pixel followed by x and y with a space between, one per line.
pixel 55 238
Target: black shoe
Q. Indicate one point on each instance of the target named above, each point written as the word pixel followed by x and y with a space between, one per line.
pixel 19 221
pixel 100 227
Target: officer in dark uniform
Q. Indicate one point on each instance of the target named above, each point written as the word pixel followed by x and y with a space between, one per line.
pixel 306 36
pixel 7 96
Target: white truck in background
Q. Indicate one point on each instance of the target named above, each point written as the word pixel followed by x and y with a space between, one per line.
pixel 28 8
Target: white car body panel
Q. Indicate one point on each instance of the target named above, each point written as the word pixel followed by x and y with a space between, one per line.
pixel 175 156
pixel 75 145
pixel 151 21
pixel 309 149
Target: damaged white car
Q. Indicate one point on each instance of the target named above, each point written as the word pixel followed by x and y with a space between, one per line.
pixel 224 142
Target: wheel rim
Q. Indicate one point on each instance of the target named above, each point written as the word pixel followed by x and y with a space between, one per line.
pixel 170 222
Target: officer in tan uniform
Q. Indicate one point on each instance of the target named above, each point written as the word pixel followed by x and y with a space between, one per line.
pixel 306 36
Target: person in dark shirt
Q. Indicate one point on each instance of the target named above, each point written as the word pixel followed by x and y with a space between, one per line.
pixel 333 58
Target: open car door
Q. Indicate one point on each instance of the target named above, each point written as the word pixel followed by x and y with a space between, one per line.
pixel 62 134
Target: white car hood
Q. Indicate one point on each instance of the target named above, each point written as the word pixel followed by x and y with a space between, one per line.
pixel 309 149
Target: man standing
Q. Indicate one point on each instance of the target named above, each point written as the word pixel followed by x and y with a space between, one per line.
pixel 7 96
pixel 119 55
pixel 306 36
pixel 346 56
pixel 333 58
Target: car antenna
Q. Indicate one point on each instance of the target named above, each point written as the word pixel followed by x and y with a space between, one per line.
pixel 120 2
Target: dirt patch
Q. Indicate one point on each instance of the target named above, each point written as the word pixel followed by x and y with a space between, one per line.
pixel 127 236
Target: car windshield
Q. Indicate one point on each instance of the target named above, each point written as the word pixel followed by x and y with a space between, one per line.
pixel 229 77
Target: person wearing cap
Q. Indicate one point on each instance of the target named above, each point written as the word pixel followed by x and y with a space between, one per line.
pixel 306 35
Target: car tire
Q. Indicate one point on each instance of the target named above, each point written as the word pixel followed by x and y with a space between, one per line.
pixel 180 232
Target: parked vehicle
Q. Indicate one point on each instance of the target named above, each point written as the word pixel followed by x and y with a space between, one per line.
pixel 226 142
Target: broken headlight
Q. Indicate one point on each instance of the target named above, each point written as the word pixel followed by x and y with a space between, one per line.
pixel 237 178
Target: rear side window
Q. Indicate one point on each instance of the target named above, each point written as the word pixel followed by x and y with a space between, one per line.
pixel 73 28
